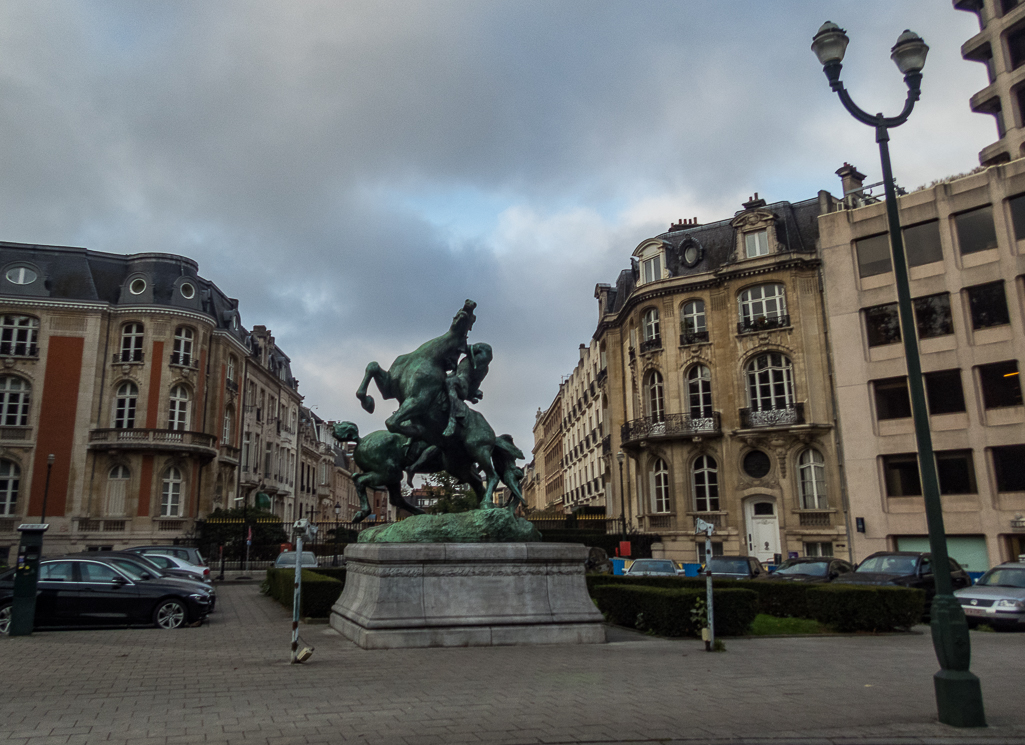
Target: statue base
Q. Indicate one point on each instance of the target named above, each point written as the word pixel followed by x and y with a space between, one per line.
pixel 466 595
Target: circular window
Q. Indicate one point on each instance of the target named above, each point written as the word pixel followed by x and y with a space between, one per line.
pixel 138 286
pixel 21 275
pixel 757 464
pixel 188 291
pixel 692 254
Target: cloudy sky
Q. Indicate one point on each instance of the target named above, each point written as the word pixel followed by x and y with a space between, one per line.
pixel 351 171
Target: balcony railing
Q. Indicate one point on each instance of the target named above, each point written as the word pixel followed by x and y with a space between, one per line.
pixel 160 439
pixel 15 434
pixel 128 357
pixel 603 374
pixel 18 349
pixel 650 345
pixel 783 417
pixel 693 337
pixel 717 519
pixel 762 323
pixel 184 360
pixel 815 518
pixel 606 445
pixel 230 453
pixel 231 385
pixel 672 425
pixel 659 522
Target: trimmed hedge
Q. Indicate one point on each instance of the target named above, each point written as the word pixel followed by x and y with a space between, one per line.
pixel 852 608
pixel 319 592
pixel 337 572
pixel 667 612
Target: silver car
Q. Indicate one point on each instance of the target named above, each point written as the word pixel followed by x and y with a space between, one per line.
pixel 997 599
pixel 653 568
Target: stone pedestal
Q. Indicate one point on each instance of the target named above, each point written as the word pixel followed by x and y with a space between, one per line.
pixel 466 595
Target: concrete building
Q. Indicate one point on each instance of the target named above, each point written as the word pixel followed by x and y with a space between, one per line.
pixel 717 386
pixel 1000 46
pixel 965 244
pixel 583 436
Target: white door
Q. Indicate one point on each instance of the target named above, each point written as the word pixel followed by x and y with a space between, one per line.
pixel 762 529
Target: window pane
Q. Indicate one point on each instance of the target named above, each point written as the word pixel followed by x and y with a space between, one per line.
pixel 988 305
pixel 1007 462
pixel 922 243
pixel 892 400
pixel 932 316
pixel 1017 205
pixel 1001 384
pixel 901 475
pixel 873 255
pixel 975 231
pixel 956 472
pixel 883 325
pixel 757 244
pixel 944 392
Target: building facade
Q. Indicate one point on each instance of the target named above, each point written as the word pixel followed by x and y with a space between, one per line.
pixel 583 435
pixel 717 387
pixel 549 456
pixel 965 246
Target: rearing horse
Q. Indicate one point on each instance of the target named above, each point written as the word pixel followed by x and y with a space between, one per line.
pixel 417 379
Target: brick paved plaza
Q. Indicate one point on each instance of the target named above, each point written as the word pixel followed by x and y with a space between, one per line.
pixel 230 682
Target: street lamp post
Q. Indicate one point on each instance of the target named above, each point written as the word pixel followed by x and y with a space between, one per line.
pixel 958 693
pixel 338 514
pixel 621 456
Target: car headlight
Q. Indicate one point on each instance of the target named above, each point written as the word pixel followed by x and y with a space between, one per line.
pixel 200 596
pixel 1016 604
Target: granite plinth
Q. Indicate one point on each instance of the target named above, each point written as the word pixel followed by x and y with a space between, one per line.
pixel 466 595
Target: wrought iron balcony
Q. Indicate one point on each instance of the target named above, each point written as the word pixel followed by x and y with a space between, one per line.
pixel 672 425
pixel 184 360
pixel 231 385
pixel 693 337
pixel 650 345
pixel 18 349
pixel 128 357
pixel 603 374
pixel 815 518
pixel 783 417
pixel 762 323
pixel 178 440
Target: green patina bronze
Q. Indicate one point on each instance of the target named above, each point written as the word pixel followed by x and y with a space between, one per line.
pixel 434 430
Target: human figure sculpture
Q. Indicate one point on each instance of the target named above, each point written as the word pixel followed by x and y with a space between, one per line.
pixel 464 384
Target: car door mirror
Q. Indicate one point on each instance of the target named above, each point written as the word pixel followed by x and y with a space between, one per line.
pixel 146 575
pixel 119 581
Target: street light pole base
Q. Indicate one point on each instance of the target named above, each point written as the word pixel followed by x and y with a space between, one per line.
pixel 959 698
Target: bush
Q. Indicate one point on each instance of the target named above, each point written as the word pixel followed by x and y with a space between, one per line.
pixel 667 612
pixel 319 592
pixel 851 608
pixel 337 572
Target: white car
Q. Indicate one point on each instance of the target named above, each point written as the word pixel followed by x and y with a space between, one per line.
pixel 286 560
pixel 165 561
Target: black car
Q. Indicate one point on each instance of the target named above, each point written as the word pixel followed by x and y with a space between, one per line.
pixel 904 569
pixel 150 570
pixel 735 567
pixel 811 569
pixel 78 590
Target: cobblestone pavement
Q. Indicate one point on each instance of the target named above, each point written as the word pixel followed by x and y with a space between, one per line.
pixel 230 682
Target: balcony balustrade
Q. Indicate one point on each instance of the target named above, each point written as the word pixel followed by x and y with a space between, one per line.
pixel 693 337
pixel 199 443
pixel 129 357
pixel 671 425
pixel 815 518
pixel 603 375
pixel 18 349
pixel 717 519
pixel 788 416
pixel 650 345
pixel 762 323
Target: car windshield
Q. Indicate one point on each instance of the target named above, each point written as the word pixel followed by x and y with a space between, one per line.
pixel 289 558
pixel 811 568
pixel 1003 578
pixel 731 566
pixel 128 567
pixel 888 565
pixel 665 567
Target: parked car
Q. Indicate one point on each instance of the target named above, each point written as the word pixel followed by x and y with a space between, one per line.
pixel 810 569
pixel 735 567
pixel 653 568
pixel 286 560
pixel 997 599
pixel 75 590
pixel 188 553
pixel 905 569
pixel 151 570
pixel 167 561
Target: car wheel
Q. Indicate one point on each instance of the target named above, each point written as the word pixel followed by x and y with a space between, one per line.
pixel 169 614
pixel 5 619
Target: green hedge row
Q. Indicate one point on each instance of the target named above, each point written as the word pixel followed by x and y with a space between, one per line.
pixel 319 592
pixel 845 607
pixel 667 612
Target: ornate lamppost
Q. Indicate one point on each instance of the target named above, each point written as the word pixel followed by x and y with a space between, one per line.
pixel 958 693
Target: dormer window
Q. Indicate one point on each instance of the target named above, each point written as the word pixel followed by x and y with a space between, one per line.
pixel 756 243
pixel 651 269
pixel 21 275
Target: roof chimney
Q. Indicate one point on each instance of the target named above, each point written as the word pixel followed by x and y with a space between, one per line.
pixel 850 178
pixel 753 202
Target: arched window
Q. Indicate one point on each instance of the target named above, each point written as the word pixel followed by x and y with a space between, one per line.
pixel 763 306
pixel 811 470
pixel 659 478
pixel 19 336
pixel 651 327
pixel 655 397
pixel 171 494
pixel 693 328
pixel 14 400
pixel 124 405
pixel 178 411
pixel 182 353
pixel 699 392
pixel 10 479
pixel 131 342
pixel 651 267
pixel 117 489
pixel 770 382
pixel 705 484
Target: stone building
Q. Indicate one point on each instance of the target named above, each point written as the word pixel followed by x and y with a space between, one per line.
pixel 717 386
pixel 965 246
pixel 582 441
pixel 1000 46
pixel 548 456
pixel 129 371
pixel 324 475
